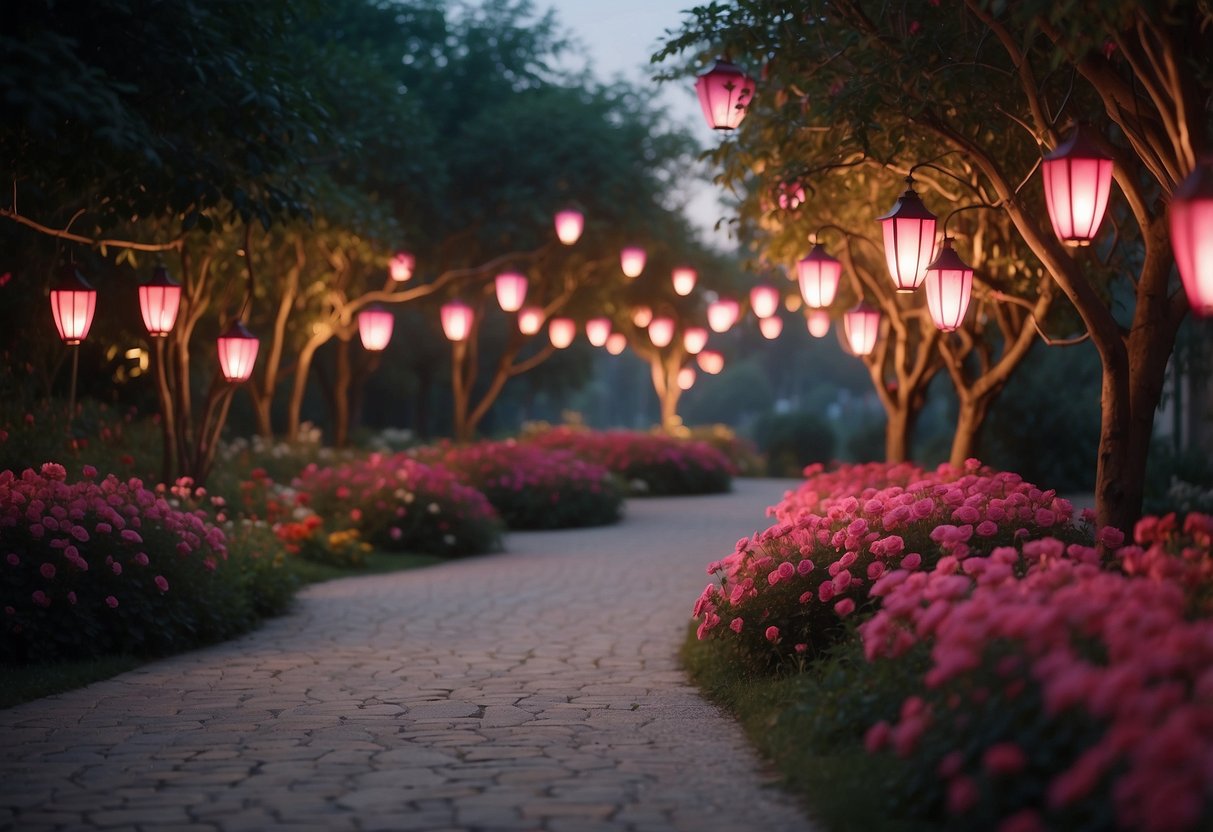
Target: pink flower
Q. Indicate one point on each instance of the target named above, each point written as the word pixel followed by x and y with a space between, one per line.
pixel 90 472
pixel 117 567
pixel 962 795
pixel 877 737
pixel 987 528
pixel 911 561
pixel 41 599
pixel 845 607
pixel 736 624
pixel 1004 758
pixel 47 570
pixel 161 583
pixel 130 536
pixel 54 471
pixel 111 601
pixel 13 559
pixel 772 634
pixel 804 567
pixel 141 559
pixel 1110 538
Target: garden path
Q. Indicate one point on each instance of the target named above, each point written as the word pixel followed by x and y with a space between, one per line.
pixel 537 689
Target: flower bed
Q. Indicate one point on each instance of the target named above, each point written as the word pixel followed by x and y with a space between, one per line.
pixel 399 504
pixel 648 464
pixel 533 487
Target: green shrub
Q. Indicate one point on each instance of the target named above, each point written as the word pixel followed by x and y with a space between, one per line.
pixel 792 441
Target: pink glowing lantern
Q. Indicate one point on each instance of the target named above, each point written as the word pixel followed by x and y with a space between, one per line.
pixel 661 331
pixel 694 339
pixel 511 290
pixel 764 300
pixel 641 316
pixel 722 314
pixel 598 330
pixel 631 260
pixel 569 224
pixel 1078 179
pixel 159 300
pixel 457 320
pixel 684 279
pixel 949 285
pixel 818 274
pixel 686 378
pixel 1192 237
pixel 375 327
pixel 73 303
pixel 237 353
pixel 530 320
pixel 909 240
pixel 561 332
pixel 789 195
pixel 770 327
pixel 710 361
pixel 616 342
pixel 861 326
pixel 724 94
pixel 400 267
pixel 819 323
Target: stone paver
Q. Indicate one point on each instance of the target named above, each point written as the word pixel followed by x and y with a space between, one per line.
pixel 533 690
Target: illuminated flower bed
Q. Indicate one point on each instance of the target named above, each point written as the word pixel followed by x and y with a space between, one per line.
pixel 533 487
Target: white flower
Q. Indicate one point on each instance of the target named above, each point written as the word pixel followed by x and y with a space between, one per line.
pixel 433 508
pixel 448 539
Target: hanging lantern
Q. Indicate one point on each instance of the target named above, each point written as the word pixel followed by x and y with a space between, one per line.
pixel 686 378
pixel 861 325
pixel 73 302
pixel 819 322
pixel 710 361
pixel 949 284
pixel 1192 237
pixel 598 330
pixel 818 274
pixel 661 331
pixel 159 300
pixel 722 314
pixel 569 224
pixel 771 327
pixel 375 327
pixel 909 240
pixel 616 342
pixel 631 260
pixel 400 267
pixel 789 195
pixel 641 316
pixel 694 339
pixel 562 331
pixel 1078 179
pixel 764 300
pixel 530 320
pixel 684 278
pixel 511 291
pixel 456 320
pixel 237 353
pixel 724 93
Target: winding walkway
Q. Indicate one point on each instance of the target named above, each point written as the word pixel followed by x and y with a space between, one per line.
pixel 533 690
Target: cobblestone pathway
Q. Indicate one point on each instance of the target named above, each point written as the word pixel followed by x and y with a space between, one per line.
pixel 533 690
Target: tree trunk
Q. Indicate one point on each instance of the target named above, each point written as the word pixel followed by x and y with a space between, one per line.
pixel 299 387
pixel 341 394
pixel 898 427
pixel 463 428
pixel 969 422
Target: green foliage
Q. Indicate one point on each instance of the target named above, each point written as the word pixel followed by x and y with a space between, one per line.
pixel 793 440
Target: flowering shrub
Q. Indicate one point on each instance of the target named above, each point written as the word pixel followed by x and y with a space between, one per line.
pixel 532 487
pixel 648 464
pixel 399 504
pixel 113 441
pixel 1063 692
pixel 108 566
pixel 786 591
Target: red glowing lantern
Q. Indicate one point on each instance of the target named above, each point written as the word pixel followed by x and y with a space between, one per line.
pixel 1078 179
pixel 764 300
pixel 819 323
pixel 1192 237
pixel 694 339
pixel 73 302
pixel 631 260
pixel 861 325
pixel 237 353
pixel 569 224
pixel 661 331
pixel 949 286
pixel 818 274
pixel 561 332
pixel 710 361
pixel 511 291
pixel 722 314
pixel 400 267
pixel 724 93
pixel 684 278
pixel 771 327
pixel 686 378
pixel 530 320
pixel 375 327
pixel 616 342
pixel 598 330
pixel 159 300
pixel 457 320
pixel 909 240
pixel 641 316
pixel 789 195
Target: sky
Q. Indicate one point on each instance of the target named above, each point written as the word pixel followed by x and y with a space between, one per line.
pixel 619 37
